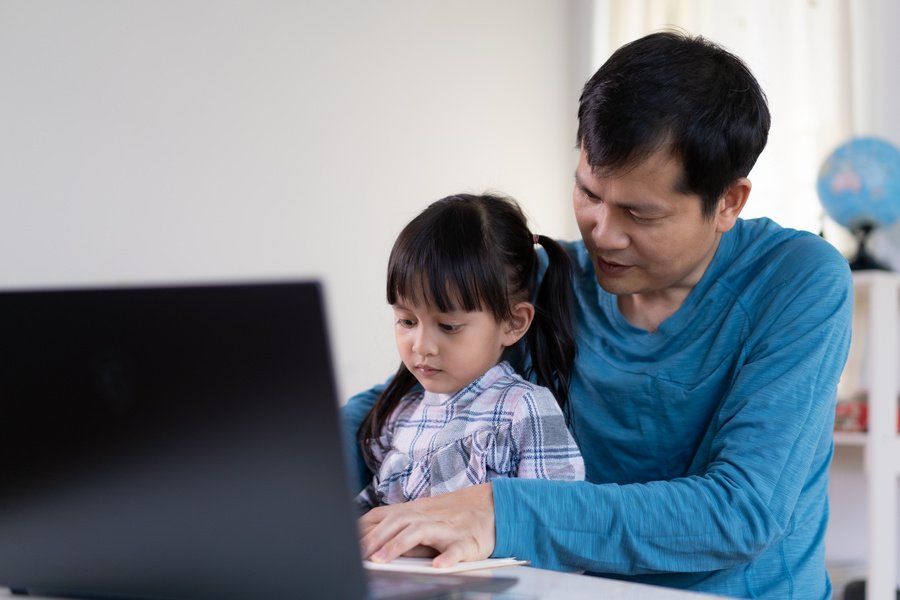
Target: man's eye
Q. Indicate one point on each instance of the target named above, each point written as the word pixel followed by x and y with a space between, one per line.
pixel 643 219
pixel 589 196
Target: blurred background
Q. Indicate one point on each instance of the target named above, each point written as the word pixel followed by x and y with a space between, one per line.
pixel 154 141
pixel 150 141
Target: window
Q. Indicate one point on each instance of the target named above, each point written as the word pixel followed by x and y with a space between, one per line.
pixel 804 60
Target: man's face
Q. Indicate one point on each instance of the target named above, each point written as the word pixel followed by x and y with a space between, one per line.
pixel 645 238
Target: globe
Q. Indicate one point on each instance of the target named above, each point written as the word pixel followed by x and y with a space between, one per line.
pixel 859 187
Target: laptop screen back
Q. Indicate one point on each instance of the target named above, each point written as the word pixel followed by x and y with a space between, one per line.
pixel 173 442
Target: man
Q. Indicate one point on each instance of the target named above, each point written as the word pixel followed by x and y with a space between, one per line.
pixel 709 352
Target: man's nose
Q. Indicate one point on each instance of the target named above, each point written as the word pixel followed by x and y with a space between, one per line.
pixel 609 231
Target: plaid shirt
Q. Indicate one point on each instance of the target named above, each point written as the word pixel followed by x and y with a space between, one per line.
pixel 500 425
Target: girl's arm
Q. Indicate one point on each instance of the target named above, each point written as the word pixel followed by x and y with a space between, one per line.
pixel 546 448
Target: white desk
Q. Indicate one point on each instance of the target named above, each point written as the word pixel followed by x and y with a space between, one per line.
pixel 539 584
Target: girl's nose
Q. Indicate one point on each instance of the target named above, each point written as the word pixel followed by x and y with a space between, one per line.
pixel 424 344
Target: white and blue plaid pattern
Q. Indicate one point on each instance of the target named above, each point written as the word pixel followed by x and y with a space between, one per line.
pixel 500 425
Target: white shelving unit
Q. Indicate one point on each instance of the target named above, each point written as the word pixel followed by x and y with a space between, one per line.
pixel 878 297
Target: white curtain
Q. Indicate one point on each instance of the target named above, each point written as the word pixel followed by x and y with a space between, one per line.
pixel 802 52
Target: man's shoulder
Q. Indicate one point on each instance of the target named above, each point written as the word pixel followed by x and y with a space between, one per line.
pixel 773 268
pixel 762 247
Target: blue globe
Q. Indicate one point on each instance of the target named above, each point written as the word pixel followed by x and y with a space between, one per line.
pixel 859 184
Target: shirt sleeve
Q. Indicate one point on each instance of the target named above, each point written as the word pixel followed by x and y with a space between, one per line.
pixel 352 415
pixel 766 442
pixel 546 449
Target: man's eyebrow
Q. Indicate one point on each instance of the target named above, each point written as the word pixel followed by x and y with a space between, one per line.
pixel 648 206
pixel 581 185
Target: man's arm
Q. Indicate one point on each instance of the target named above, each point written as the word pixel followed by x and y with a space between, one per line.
pixel 769 436
pixel 352 415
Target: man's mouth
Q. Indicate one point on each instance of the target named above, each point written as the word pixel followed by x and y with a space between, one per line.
pixel 611 268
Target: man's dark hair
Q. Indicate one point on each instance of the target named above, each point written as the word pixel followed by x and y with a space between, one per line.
pixel 687 95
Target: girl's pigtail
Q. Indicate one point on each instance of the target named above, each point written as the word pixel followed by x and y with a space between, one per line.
pixel 372 428
pixel 551 341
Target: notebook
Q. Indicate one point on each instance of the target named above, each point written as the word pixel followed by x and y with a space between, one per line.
pixel 179 442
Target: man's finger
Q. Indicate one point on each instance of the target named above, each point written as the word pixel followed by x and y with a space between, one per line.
pixel 404 540
pixel 376 534
pixel 453 554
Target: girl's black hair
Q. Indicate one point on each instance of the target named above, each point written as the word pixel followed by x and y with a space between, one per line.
pixel 476 252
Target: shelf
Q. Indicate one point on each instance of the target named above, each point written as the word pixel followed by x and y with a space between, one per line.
pixel 875 351
pixel 850 438
pixel 860 439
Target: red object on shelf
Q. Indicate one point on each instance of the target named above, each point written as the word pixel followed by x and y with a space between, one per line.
pixel 852 415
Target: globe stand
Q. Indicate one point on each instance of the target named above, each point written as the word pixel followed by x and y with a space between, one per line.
pixel 863 261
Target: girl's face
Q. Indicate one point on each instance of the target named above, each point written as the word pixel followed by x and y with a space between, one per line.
pixel 446 351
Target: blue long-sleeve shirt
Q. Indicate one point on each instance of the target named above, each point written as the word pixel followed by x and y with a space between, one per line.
pixel 706 443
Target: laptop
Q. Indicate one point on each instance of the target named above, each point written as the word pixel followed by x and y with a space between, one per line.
pixel 179 442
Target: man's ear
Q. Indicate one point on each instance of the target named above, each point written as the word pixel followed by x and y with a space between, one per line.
pixel 518 323
pixel 731 204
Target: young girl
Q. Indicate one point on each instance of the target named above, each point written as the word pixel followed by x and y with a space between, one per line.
pixel 460 282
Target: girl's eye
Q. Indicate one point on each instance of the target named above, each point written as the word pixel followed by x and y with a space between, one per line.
pixel 406 323
pixel 449 328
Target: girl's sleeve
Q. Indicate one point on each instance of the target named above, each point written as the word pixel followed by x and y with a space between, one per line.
pixel 543 443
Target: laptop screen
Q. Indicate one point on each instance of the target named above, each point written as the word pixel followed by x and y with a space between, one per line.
pixel 173 442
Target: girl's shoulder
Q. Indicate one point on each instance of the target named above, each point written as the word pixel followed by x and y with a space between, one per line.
pixel 523 396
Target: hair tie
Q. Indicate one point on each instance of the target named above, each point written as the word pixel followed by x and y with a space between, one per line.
pixel 535 238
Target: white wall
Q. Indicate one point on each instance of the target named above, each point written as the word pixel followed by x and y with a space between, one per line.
pixel 877 92
pixel 149 141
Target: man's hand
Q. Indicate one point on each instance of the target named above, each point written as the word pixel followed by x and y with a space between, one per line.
pixel 459 525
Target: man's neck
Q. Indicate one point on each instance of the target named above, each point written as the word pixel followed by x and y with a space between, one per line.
pixel 647 311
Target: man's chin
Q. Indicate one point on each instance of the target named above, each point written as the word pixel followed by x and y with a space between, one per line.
pixel 614 285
